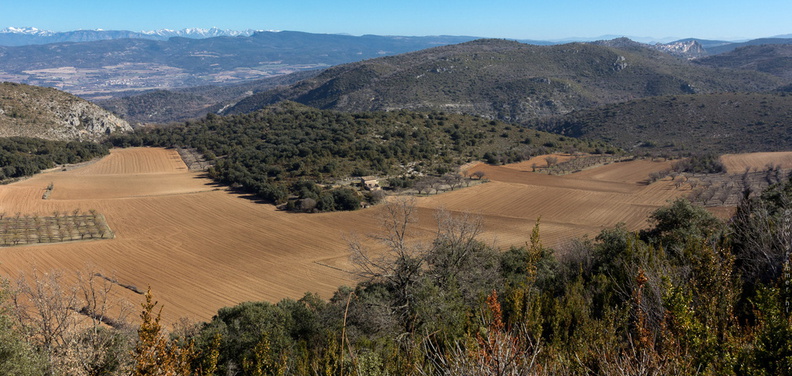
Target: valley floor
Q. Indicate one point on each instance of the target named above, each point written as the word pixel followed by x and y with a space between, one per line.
pixel 201 247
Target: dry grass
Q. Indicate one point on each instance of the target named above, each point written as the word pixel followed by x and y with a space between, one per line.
pixel 201 248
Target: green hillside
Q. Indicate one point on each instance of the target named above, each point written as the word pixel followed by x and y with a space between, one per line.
pixel 719 123
pixel 775 59
pixel 510 81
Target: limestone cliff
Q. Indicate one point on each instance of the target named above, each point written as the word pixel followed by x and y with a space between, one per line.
pixel 689 49
pixel 51 114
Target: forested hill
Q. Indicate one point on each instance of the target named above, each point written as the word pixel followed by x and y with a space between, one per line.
pixel 718 123
pixel 268 151
pixel 509 80
pixel 775 59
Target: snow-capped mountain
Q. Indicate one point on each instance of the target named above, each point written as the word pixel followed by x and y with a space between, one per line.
pixel 199 33
pixel 20 36
pixel 25 31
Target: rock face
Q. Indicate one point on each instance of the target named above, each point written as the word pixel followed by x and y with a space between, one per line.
pixel 690 49
pixel 46 113
pixel 86 121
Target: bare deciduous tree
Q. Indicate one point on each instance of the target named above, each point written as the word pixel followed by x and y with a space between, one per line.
pixel 421 186
pixel 44 308
pixel 436 184
pixel 455 240
pixel 399 264
pixel 763 238
pixel 395 221
pixel 53 315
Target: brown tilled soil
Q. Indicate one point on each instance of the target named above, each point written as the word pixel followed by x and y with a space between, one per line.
pixel 201 247
pixel 737 163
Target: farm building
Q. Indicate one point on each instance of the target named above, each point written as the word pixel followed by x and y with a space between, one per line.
pixel 370 183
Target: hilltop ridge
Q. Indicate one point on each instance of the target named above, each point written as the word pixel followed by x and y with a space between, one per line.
pixel 508 80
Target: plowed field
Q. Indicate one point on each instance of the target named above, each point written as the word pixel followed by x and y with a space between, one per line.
pixel 737 163
pixel 201 248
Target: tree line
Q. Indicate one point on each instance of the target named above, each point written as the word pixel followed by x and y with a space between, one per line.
pixel 24 156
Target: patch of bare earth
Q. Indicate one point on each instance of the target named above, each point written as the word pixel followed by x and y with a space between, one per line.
pixel 569 205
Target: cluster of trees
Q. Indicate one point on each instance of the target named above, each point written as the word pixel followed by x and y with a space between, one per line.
pixel 706 163
pixel 577 163
pixel 311 197
pixel 448 181
pixel 23 156
pixel 266 152
pixel 691 294
pixel 703 163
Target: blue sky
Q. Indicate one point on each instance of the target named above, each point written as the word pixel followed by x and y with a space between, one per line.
pixel 526 19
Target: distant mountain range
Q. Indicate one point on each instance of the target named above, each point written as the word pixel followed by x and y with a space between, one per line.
pixel 101 64
pixel 494 78
pixel 18 36
pixel 631 94
pixel 106 67
pixel 22 36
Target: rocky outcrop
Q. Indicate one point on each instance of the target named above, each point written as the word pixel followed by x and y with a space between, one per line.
pixel 689 49
pixel 46 113
pixel 86 121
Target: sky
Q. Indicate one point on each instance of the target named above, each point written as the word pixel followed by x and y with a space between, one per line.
pixel 517 19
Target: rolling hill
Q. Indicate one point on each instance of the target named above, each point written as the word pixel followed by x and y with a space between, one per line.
pixel 718 123
pixel 509 80
pixel 728 47
pixel 775 59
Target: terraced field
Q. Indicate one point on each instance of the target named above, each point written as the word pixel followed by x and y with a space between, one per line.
pixel 201 247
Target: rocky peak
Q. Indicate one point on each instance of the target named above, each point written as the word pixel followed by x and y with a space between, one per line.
pixel 689 49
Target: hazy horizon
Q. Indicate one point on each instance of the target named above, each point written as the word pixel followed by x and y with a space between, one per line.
pixel 561 20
